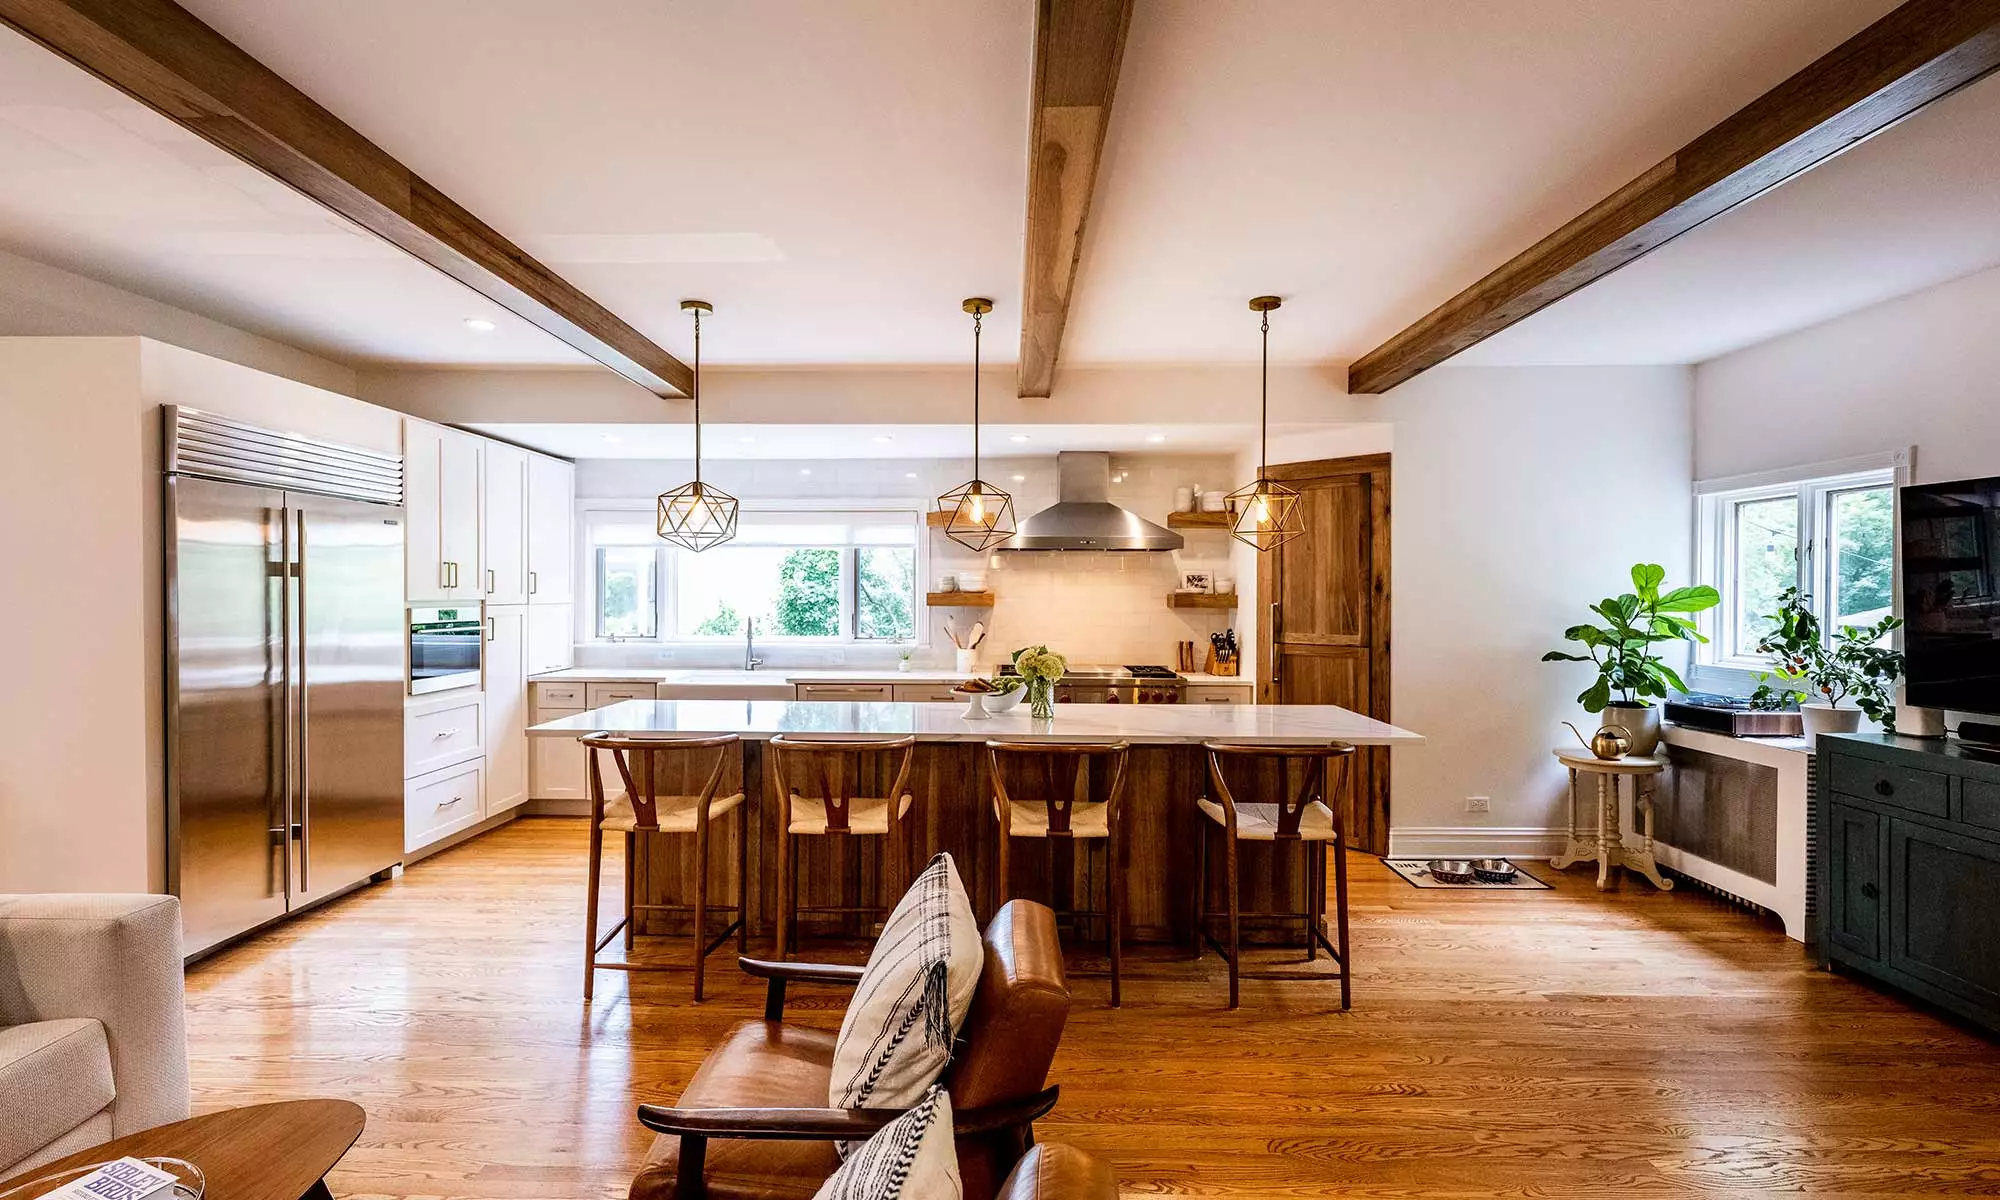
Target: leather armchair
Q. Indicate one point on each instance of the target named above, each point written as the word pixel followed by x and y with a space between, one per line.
pixel 753 1122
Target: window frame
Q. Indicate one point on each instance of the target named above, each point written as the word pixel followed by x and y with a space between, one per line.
pixel 1813 489
pixel 666 560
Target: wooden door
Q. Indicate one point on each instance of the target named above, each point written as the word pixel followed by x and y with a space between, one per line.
pixel 1323 620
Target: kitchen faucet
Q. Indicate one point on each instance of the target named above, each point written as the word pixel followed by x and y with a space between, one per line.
pixel 750 660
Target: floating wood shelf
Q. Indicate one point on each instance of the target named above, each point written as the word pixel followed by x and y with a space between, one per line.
pixel 959 599
pixel 937 520
pixel 1199 520
pixel 1200 600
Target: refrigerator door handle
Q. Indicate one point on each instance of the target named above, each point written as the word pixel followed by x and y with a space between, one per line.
pixel 285 642
pixel 299 729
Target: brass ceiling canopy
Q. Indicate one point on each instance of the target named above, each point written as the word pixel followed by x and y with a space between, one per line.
pixel 696 515
pixel 1267 512
pixel 979 515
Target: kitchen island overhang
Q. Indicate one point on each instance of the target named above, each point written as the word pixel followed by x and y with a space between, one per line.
pixel 953 809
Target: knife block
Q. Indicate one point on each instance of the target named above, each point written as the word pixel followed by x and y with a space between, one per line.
pixel 1219 665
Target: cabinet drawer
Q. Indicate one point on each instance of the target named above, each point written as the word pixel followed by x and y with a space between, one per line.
pixel 601 694
pixel 1197 694
pixel 442 803
pixel 1979 803
pixel 925 693
pixel 1890 783
pixel 559 695
pixel 844 691
pixel 440 737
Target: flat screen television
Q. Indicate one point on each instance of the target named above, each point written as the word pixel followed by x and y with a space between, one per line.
pixel 1951 595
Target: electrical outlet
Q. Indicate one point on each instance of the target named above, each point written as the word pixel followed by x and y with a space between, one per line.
pixel 1478 804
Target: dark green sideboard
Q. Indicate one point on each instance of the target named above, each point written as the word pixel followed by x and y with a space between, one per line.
pixel 1909 868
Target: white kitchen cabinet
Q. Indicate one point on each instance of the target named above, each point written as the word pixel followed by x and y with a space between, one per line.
pixel 551 641
pixel 1221 693
pixel 506 669
pixel 845 691
pixel 504 529
pixel 551 529
pixel 442 730
pixel 441 494
pixel 597 695
pixel 925 693
pixel 442 803
pixel 556 769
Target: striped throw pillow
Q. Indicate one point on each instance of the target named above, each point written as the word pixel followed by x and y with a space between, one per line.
pixel 897 1035
pixel 912 1158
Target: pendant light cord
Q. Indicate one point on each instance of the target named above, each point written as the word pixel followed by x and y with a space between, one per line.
pixel 697 401
pixel 978 320
pixel 1264 414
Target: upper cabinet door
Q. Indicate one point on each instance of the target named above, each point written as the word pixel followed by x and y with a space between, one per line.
pixel 551 528
pixel 504 534
pixel 426 579
pixel 459 457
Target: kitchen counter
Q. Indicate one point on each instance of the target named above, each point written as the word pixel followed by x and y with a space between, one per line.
pixel 1140 724
pixel 723 676
pixel 953 809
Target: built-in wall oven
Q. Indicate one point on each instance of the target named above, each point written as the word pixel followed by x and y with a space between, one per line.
pixel 444 648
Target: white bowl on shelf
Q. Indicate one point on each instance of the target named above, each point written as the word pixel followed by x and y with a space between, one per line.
pixel 1004 701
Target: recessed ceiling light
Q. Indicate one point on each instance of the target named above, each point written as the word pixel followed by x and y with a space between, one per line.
pixel 746 438
pixel 805 470
pixel 1156 437
pixel 884 438
pixel 1019 437
pixel 909 474
pixel 1020 479
pixel 480 325
pixel 613 438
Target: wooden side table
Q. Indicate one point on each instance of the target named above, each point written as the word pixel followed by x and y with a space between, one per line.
pixel 262 1152
pixel 1607 845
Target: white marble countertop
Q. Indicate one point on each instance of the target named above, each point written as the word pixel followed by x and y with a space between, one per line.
pixel 722 676
pixel 758 720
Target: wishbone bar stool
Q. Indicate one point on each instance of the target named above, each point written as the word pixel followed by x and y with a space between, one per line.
pixel 834 809
pixel 1066 808
pixel 1310 818
pixel 650 807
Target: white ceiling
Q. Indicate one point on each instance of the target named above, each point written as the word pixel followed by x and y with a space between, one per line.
pixel 867 441
pixel 1913 207
pixel 837 176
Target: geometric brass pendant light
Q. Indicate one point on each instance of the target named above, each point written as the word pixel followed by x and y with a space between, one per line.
pixel 697 515
pixel 1267 512
pixel 979 515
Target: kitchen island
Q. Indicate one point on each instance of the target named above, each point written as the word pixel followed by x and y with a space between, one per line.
pixel 953 812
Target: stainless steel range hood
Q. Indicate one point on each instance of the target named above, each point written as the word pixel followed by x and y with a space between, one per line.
pixel 1083 517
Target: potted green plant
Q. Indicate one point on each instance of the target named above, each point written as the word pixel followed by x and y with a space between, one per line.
pixel 1818 672
pixel 1630 672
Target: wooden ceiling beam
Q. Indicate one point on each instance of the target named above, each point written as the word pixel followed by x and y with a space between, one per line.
pixel 162 56
pixel 1922 51
pixel 1078 46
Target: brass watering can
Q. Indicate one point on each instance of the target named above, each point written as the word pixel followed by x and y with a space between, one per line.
pixel 1609 743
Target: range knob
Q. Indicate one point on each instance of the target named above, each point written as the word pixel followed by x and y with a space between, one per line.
pixel 1112 698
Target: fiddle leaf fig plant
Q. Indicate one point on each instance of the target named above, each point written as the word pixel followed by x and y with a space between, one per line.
pixel 1629 671
pixel 1808 667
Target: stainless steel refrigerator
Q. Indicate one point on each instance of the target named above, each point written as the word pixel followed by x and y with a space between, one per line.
pixel 285 641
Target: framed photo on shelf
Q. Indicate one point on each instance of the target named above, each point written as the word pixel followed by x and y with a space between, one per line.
pixel 1198 581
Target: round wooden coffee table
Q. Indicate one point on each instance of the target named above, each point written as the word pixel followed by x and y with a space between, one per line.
pixel 262 1152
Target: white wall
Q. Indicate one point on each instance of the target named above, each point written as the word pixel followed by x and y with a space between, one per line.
pixel 81 728
pixel 1095 607
pixel 1922 370
pixel 38 300
pixel 1519 495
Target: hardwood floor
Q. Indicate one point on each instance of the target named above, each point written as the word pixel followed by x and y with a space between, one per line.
pixel 1533 1044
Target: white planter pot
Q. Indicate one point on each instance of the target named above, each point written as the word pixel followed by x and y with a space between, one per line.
pixel 1642 723
pixel 1820 718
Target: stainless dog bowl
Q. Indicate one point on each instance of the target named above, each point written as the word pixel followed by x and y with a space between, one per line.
pixel 1451 870
pixel 1493 870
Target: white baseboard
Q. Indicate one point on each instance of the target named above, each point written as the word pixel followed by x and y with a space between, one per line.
pixel 1474 841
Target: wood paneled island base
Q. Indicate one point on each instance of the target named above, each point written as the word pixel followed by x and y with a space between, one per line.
pixel 953 808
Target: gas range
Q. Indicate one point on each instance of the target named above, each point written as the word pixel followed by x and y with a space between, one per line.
pixel 1092 684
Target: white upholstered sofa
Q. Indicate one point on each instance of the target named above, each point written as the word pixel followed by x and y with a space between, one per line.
pixel 93 1034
